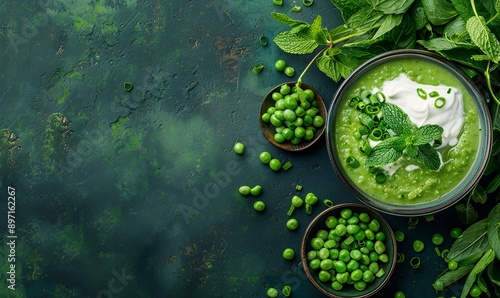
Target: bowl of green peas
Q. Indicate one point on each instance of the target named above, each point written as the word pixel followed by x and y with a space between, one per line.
pixel 349 250
pixel 293 117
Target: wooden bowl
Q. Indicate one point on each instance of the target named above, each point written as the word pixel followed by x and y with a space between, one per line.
pixel 269 130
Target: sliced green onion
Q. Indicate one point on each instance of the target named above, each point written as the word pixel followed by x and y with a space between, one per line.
pixel 449 91
pixel 309 209
pixel 363 131
pixel 307 3
pixel 415 262
pixel 290 211
pixel 376 134
pixel 263 40
pixel 365 94
pixel 374 99
pixel 361 243
pixel 380 97
pixel 328 203
pixel 287 165
pixel 413 221
pixel 438 252
pixel 354 101
pixel 287 290
pixel 349 240
pixel 360 106
pixel 400 257
pixel 127 86
pixel 434 94
pixel 380 178
pixel 298 187
pixel 421 93
pixel 357 135
pixel 366 120
pixel 439 102
pixel 365 148
pixel 258 68
pixel 352 162
pixel 372 110
pixel 444 253
pixel 297 8
pixel 380 273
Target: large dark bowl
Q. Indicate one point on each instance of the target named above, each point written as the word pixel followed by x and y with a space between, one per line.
pixel 348 291
pixel 439 202
pixel 269 130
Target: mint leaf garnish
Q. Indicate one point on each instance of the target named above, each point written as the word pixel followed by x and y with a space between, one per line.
pixel 408 138
pixel 301 42
pixel 397 120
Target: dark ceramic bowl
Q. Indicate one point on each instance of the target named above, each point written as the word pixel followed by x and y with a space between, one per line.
pixel 269 130
pixel 348 291
pixel 479 153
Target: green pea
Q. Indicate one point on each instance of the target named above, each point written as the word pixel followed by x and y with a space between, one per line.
pixel 324 253
pixel 344 255
pixel 334 253
pixel 309 94
pixel 311 199
pixel 276 96
pixel 315 263
pixel 272 292
pixel 374 267
pixel 342 277
pixel 346 213
pixel 266 117
pixel 340 230
pixel 374 225
pixel 289 71
pixel 275 164
pixel 288 254
pixel 369 234
pixel 326 264
pixel 285 89
pixel 352 265
pixel 437 239
pixel 318 121
pixel 256 190
pixel 323 234
pixel 356 254
pixel 399 294
pixel 259 206
pixel 317 243
pixel 324 275
pixel 360 285
pixel 280 65
pixel 336 285
pixel 379 247
pixel 244 190
pixel 352 229
pixel 373 256
pixel 384 258
pixel 340 266
pixel 292 224
pixel 265 157
pixel 331 222
pixel 356 275
pixel 452 265
pixel 239 148
pixel 455 233
pixel 418 246
pixel 475 290
pixel 399 235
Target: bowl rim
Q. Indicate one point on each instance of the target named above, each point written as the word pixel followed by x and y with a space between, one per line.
pixel 390 239
pixel 468 182
pixel 266 127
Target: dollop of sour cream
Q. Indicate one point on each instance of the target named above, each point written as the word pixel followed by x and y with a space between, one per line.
pixel 402 91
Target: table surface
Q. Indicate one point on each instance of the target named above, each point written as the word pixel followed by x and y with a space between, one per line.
pixel 135 193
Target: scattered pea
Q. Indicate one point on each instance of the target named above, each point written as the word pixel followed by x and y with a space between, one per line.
pixel 289 71
pixel 275 164
pixel 244 190
pixel 455 233
pixel 272 292
pixel 400 236
pixel 437 239
pixel 280 65
pixel 452 265
pixel 239 148
pixel 259 206
pixel 418 245
pixel 399 294
pixel 256 190
pixel 265 157
pixel 292 224
pixel 288 254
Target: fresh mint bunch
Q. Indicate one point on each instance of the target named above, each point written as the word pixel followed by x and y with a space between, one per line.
pixel 408 138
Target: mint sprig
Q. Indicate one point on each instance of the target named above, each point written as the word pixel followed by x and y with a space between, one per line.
pixel 409 139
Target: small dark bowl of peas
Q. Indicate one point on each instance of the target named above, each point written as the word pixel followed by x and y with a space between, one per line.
pixel 293 118
pixel 349 250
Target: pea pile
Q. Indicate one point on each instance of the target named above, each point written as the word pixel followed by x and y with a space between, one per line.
pixel 295 115
pixel 350 250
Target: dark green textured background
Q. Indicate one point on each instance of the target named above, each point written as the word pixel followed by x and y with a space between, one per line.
pixel 137 195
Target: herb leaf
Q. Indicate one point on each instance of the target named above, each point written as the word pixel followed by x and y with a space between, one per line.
pixel 389 22
pixel 331 64
pixel 397 120
pixel 451 276
pixel 387 151
pixel 485 260
pixel 429 157
pixel 318 32
pixel 439 12
pixel 301 42
pixel 285 19
pixel 483 38
pixel 473 241
pixel 391 6
pixel 427 133
pixel 493 230
pixel 493 184
pixel 466 213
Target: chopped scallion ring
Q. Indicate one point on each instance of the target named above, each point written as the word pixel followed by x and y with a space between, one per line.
pixel 307 3
pixel 434 94
pixel 415 262
pixel 352 162
pixel 380 178
pixel 328 203
pixel 439 102
pixel 421 93
pixel 400 257
pixel 263 40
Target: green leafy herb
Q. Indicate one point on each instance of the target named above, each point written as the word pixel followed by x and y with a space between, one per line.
pixel 449 277
pixel 473 241
pixel 410 139
pixel 493 230
pixel 485 260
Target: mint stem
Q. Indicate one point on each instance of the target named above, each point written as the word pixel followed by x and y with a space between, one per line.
pixel 299 81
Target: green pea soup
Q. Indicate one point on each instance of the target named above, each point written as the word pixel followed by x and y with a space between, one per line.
pixel 420 184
